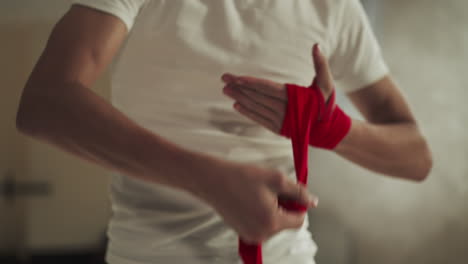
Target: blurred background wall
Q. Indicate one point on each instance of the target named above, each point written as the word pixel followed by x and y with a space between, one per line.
pixel 362 218
pixel 61 204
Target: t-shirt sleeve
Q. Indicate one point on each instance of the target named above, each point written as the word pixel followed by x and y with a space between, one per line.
pixel 355 60
pixel 126 10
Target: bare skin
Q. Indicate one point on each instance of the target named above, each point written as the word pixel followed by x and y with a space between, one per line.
pixel 57 107
pixel 388 143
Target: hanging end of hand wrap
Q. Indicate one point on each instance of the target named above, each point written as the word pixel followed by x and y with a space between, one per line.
pixel 250 253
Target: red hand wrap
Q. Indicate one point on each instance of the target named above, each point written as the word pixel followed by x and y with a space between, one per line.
pixel 309 120
pixel 328 123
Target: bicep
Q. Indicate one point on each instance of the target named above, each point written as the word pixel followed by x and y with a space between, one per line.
pixel 80 47
pixel 382 102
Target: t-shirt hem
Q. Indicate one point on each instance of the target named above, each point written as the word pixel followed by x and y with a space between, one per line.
pixel 181 258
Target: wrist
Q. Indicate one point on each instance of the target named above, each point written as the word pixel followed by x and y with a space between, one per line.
pixel 329 132
pixel 163 162
pixel 347 144
pixel 308 113
pixel 197 173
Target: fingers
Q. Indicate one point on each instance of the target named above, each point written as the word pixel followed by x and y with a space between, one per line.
pixel 323 76
pixel 288 189
pixel 267 218
pixel 262 86
pixel 264 105
pixel 289 219
pixel 298 193
pixel 256 117
pixel 263 109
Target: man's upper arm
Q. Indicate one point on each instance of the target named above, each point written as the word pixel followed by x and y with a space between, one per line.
pixel 359 69
pixel 79 48
pixel 382 102
pixel 355 57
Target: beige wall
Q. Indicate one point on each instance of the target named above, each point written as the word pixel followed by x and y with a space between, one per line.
pixel 75 214
pixel 363 218
pixel 11 147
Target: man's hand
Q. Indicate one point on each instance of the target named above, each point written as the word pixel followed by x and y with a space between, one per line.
pixel 389 142
pixel 246 197
pixel 265 101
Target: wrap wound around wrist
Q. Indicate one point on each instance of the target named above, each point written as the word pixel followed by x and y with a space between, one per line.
pixel 326 122
pixel 309 120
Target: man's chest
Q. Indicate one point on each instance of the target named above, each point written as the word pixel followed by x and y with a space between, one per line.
pixel 266 35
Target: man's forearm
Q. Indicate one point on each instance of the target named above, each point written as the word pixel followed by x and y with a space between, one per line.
pixel 75 119
pixel 395 149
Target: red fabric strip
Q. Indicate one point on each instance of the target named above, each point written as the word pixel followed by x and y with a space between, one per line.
pixel 308 120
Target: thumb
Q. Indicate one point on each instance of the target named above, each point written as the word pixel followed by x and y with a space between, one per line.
pixel 299 194
pixel 296 192
pixel 288 219
pixel 323 75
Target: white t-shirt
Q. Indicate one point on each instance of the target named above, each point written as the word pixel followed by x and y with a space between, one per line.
pixel 167 78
